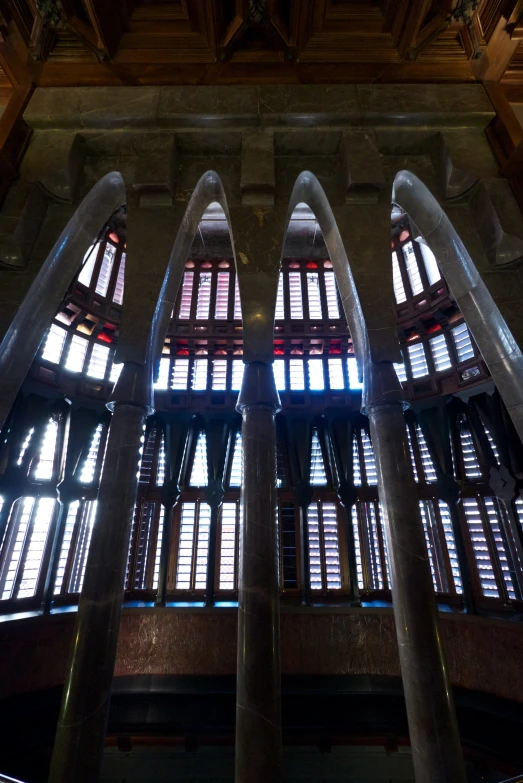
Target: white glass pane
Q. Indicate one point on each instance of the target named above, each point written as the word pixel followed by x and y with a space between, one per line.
pixel 318 477
pixel 88 516
pixel 356 467
pixel 180 374
pixel 401 372
pixel 369 459
pixel 54 344
pixel 336 377
pixel 480 547
pixel 42 517
pixel 428 465
pixel 86 272
pixel 204 296
pixel 297 380
pixel 313 527
pixel 278 369
pixel 66 544
pixel 199 375
pixel 412 459
pixel 332 296
pixel 235 479
pixel 219 374
pixel 352 366
pixel 470 458
pixel 431 265
pixel 418 362
pixel 160 469
pixel 412 269
pixel 163 373
pixel 316 379
pixel 238 368
pixel 98 361
pixel 397 282
pixel 116 369
pixel 199 474
pixel 185 546
pixel 462 342
pixel 186 296
pixel 228 546
pixel 105 270
pixel 237 300
pixel 44 468
pixel 313 292
pixel 295 295
pixel 202 547
pixel 25 445
pixel 118 289
pixel 440 353
pixel 88 468
pixel 280 311
pixel 76 354
pixel 221 308
pixel 331 546
pixel 159 539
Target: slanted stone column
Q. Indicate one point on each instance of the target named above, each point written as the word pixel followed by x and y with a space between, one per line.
pixel 80 736
pixel 258 694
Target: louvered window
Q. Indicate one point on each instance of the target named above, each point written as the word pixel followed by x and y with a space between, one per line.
pixel 237 300
pixel 87 269
pixel 440 353
pixel 297 381
pixel 318 477
pixel 497 521
pixel 471 464
pixel 278 368
pixel 431 265
pixel 280 311
pixel 98 361
pixel 186 296
pixel 316 379
pixel 219 374
pixel 88 468
pixel 399 289
pixel 411 264
pixel 426 460
pixel 295 296
pixel 462 342
pixel 357 548
pixel 84 531
pixel 145 513
pixel 356 467
pixel 156 571
pixel 370 548
pixel 519 510
pixel 76 354
pixel 70 522
pixel 25 445
pixel 238 369
pixel 180 374
pixel 160 470
pixel 446 522
pixel 24 546
pixel 163 374
pixel 116 370
pixel 434 546
pixel 148 454
pixel 105 270
pixel 119 286
pixel 401 372
pixel 235 479
pixel 480 547
pixel 221 308
pixel 369 460
pixel 492 446
pixel 412 458
pixel 288 546
pixel 333 309
pixel 228 546
pixel 191 572
pixel 199 375
pixel 46 457
pixel 313 292
pixel 336 377
pixel 203 303
pixel 54 344
pixel 324 552
pixel 352 367
pixel 418 362
pixel 199 474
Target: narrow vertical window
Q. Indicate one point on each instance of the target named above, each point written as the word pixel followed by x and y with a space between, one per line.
pixel 159 539
pixel 85 529
pixel 401 372
pixel 411 263
pixel 471 464
pixel 324 554
pixel 318 476
pixel 54 344
pixel 426 460
pixel 238 368
pixel 297 380
pixel 280 310
pixel 66 545
pixel 434 549
pixel 336 377
pixel 397 282
pixel 313 293
pixel 431 265
pixel 480 547
pixel 446 522
pixel 199 474
pixel 87 269
pixel 163 374
pixel 278 368
pixel 186 297
pixel 418 361
pixel 199 375
pixel 98 361
pixel 180 374
pixel 116 369
pixel 462 342
pixel 412 459
pixel 494 513
pixel 76 354
pixel 237 300
pixel 295 295
pixel 203 303
pixel 229 515
pixel 88 469
pixel 288 546
pixel 333 309
pixel 219 374
pixel 191 572
pixel 356 467
pixel 235 479
pixel 357 547
pixel 440 353
pixel 316 379
pixel 160 470
pixel 105 270
pixel 369 460
pixel 120 279
pixel 221 308
pixel 352 367
pixel 45 466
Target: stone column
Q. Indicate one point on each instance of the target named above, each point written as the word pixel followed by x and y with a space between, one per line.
pixel 433 729
pixel 258 697
pixel 80 736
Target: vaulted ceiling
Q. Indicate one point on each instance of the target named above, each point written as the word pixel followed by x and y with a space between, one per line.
pixel 112 42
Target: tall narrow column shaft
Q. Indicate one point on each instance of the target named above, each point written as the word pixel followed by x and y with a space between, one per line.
pixel 258 705
pixel 433 729
pixel 79 743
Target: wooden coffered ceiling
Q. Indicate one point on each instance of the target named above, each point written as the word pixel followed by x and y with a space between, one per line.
pixel 114 42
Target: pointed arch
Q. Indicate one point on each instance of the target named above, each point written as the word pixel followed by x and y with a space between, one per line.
pixel 379 380
pixel 35 314
pixel 490 330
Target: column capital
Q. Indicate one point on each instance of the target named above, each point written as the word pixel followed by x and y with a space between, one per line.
pixel 133 387
pixel 258 388
pixel 381 387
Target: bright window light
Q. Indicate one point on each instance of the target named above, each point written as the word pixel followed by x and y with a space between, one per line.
pixel 163 374
pixel 98 361
pixel 352 366
pixel 180 374
pixel 54 344
pixel 336 377
pixel 278 369
pixel 296 375
pixel 76 354
pixel 316 379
